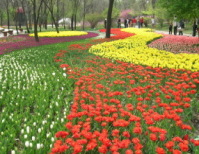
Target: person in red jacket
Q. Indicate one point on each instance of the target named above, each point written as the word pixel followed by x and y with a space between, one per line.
pixel 134 22
pixel 141 21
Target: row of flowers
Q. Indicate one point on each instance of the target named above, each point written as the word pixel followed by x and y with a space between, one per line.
pixel 135 50
pixel 25 41
pixel 177 44
pixel 60 34
pixel 126 108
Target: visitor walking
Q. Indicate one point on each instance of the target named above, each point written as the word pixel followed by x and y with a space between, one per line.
pixel 170 28
pixel 105 23
pixel 141 22
pixel 181 27
pixel 194 28
pixel 175 26
pixel 153 22
pixel 125 23
pixel 134 21
pixel 119 23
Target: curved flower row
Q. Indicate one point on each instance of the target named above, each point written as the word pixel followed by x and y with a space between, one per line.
pixel 60 34
pixel 135 50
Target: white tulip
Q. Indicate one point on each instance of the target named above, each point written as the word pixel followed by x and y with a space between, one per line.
pixel 22 131
pixel 64 74
pixel 28 129
pixel 25 136
pixel 39 130
pixel 38 146
pixel 33 138
pixel 51 126
pixel 12 152
pixel 56 104
pixel 27 143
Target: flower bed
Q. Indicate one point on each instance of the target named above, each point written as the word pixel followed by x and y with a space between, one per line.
pixel 177 44
pixel 111 106
pixel 60 34
pixel 135 50
pixel 11 39
pixel 30 42
pixel 126 108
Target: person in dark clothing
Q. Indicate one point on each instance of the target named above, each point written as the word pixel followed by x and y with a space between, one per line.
pixel 105 23
pixel 119 23
pixel 125 23
pixel 175 26
pixel 181 27
pixel 170 28
pixel 194 28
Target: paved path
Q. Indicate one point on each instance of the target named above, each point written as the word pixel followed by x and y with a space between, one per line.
pixel 101 35
pixel 165 32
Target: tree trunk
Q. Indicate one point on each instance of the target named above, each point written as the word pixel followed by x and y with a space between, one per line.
pixel 8 16
pixel 25 18
pixel 57 20
pixel 1 18
pixel 84 14
pixel 35 21
pixel 30 19
pixel 108 27
pixel 75 20
pixel 72 22
pixel 16 25
pixel 56 24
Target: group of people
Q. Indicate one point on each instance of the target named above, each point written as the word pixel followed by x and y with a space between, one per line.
pixel 131 22
pixel 179 27
pixel 176 27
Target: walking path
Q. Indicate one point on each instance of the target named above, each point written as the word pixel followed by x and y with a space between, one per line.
pixel 165 32
pixel 101 35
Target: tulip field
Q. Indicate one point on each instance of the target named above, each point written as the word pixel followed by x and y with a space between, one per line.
pixel 135 93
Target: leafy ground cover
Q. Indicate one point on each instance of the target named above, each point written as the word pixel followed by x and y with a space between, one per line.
pixel 111 106
pixel 25 41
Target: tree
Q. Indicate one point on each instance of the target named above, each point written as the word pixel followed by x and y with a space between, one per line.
pixel 75 5
pixel 94 18
pixel 6 4
pixel 25 5
pixel 108 27
pixel 36 12
pixel 2 13
pixel 181 9
pixel 50 5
